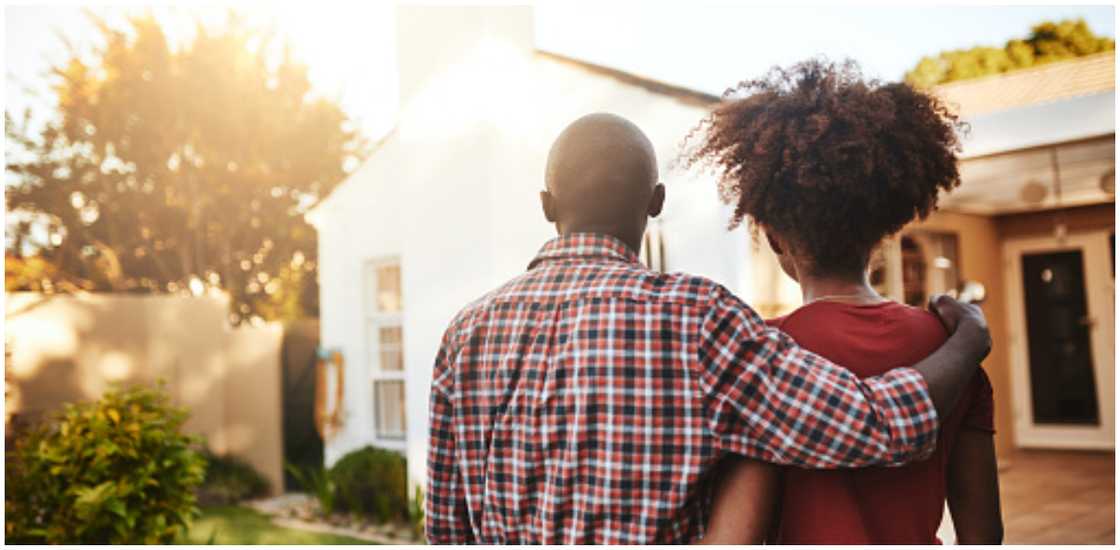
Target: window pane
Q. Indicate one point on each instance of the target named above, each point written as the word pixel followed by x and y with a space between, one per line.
pixel 388 396
pixel 392 358
pixel 389 344
pixel 390 335
pixel 389 288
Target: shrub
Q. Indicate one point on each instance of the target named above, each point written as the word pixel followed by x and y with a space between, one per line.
pixel 114 471
pixel 372 482
pixel 416 513
pixel 230 480
pixel 317 481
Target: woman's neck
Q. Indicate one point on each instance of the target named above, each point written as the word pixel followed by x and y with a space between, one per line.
pixel 849 289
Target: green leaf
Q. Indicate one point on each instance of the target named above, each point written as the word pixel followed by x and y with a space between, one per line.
pixel 117 507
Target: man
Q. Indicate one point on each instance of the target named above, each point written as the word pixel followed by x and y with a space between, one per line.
pixel 588 400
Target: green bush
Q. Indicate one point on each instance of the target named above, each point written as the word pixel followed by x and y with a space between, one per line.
pixel 373 483
pixel 230 480
pixel 114 471
pixel 416 513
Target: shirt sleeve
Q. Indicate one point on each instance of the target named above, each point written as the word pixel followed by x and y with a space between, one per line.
pixel 769 399
pixel 446 518
pixel 980 414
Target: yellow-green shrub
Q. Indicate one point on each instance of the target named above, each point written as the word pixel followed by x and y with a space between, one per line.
pixel 115 471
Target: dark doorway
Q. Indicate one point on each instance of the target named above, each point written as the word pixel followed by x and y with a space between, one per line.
pixel 303 448
pixel 1063 389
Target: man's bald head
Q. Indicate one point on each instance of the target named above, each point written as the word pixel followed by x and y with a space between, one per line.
pixel 602 177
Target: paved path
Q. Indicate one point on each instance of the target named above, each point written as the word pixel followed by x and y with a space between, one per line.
pixel 277 509
pixel 1055 497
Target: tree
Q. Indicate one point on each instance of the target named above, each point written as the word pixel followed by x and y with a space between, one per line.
pixel 1047 43
pixel 169 170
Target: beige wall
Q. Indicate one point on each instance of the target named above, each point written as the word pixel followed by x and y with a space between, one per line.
pixel 73 348
pixel 980 245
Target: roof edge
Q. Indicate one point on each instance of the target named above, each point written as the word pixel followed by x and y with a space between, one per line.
pixel 686 95
pixel 1026 71
pixel 312 214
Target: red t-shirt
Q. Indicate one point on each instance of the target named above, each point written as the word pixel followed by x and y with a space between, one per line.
pixel 874 505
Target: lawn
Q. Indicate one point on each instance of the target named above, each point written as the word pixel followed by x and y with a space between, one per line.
pixel 237 525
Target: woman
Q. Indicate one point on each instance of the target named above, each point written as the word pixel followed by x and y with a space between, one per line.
pixel 827 165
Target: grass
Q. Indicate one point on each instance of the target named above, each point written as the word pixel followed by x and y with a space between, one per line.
pixel 237 525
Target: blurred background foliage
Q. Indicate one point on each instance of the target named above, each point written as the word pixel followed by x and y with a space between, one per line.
pixel 177 169
pixel 118 470
pixel 1048 42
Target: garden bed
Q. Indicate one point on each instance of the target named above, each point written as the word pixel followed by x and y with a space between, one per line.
pixel 300 511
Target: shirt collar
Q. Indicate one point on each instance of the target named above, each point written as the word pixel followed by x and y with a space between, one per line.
pixel 586 246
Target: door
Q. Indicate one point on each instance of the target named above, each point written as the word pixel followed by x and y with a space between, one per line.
pixel 303 448
pixel 1060 304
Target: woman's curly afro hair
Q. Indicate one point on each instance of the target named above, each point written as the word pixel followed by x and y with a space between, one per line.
pixel 827 160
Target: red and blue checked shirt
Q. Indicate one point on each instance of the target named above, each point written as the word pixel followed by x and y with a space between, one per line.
pixel 587 401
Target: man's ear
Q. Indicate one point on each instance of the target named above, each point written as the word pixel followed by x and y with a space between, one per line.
pixel 548 206
pixel 656 201
pixel 775 245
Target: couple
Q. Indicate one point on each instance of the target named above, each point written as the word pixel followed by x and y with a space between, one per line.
pixel 592 400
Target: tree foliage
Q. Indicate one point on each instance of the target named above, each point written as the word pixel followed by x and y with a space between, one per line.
pixel 179 169
pixel 1048 42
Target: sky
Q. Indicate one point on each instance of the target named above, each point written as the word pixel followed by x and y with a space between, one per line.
pixel 707 46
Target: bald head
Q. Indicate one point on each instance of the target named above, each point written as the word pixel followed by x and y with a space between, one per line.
pixel 602 177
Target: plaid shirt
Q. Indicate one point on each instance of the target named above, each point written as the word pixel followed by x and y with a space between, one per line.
pixel 587 401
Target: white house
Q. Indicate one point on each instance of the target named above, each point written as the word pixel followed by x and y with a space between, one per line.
pixel 447 208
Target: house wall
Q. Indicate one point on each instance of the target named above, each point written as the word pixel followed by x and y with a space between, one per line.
pixel 362 223
pixel 73 348
pixel 979 260
pixel 454 193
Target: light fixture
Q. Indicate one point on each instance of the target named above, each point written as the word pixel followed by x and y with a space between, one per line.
pixel 1033 192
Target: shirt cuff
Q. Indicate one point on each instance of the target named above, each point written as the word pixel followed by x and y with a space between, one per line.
pixel 909 413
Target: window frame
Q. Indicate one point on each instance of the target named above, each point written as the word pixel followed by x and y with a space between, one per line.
pixel 373 321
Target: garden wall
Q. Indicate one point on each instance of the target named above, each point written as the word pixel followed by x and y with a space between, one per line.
pixel 72 348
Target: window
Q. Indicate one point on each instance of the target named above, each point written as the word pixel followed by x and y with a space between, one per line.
pixel 652 253
pixel 385 348
pixel 916 265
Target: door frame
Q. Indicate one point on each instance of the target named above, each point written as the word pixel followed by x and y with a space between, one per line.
pixel 1099 297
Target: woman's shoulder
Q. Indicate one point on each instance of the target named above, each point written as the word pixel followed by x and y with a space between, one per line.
pixel 777 322
pixel 902 317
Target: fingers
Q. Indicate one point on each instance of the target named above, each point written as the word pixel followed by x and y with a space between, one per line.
pixel 948 310
pixel 953 313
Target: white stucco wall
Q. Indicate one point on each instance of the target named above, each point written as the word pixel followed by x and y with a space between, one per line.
pixel 357 223
pixel 454 194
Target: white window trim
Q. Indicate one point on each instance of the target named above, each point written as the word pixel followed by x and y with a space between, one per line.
pixel 652 252
pixel 373 321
